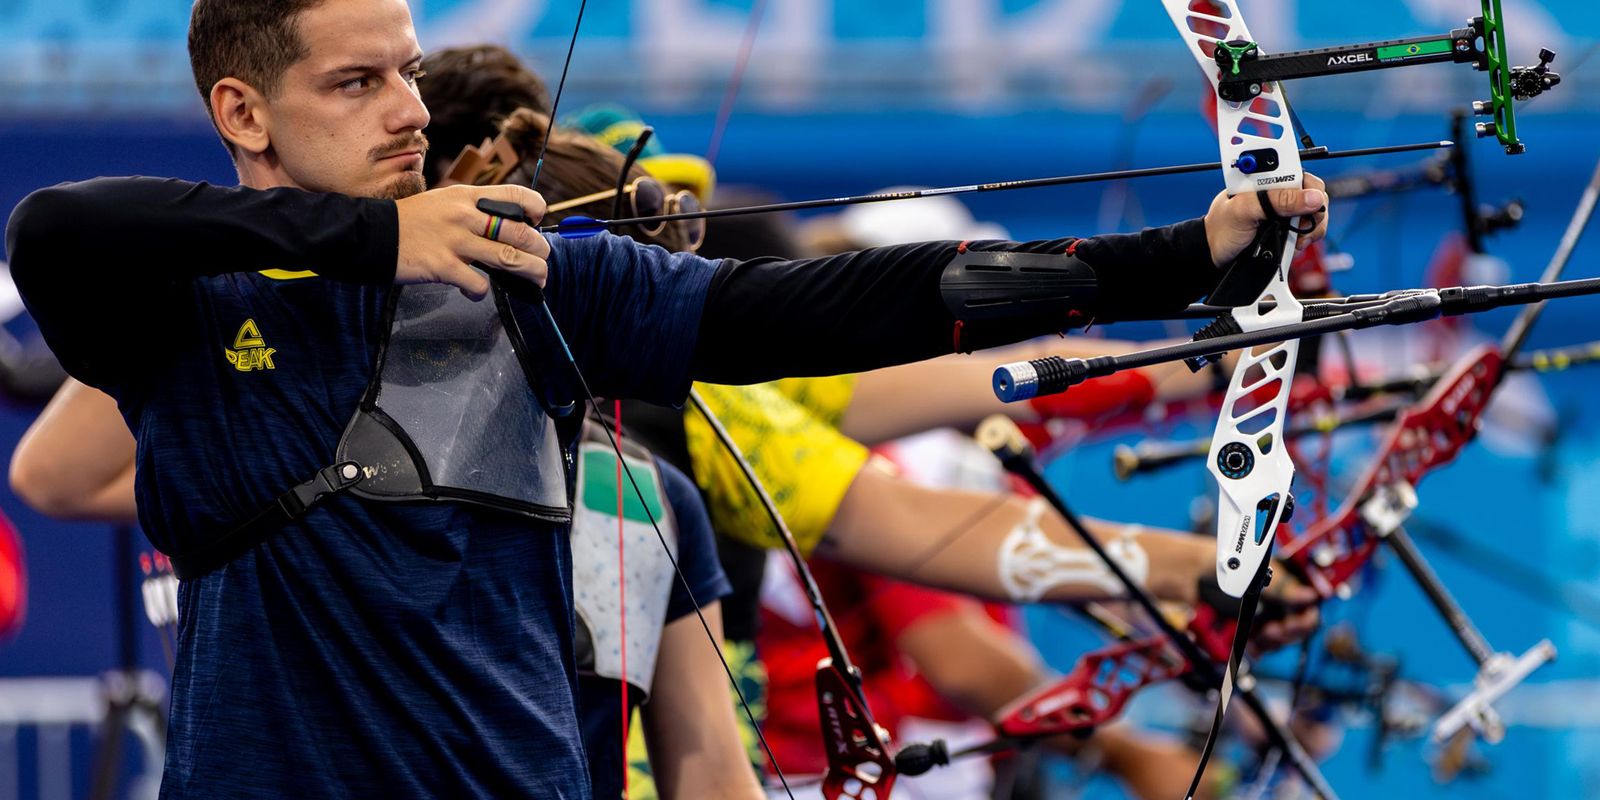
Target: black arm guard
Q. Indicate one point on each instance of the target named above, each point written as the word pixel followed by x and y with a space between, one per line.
pixel 1007 285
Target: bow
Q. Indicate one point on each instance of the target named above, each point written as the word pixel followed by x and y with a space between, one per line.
pixel 1248 459
pixel 1425 436
pixel 859 762
pixel 1248 455
pixel 1324 406
pixel 1428 434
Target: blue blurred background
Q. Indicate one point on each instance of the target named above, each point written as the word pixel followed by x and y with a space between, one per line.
pixel 846 96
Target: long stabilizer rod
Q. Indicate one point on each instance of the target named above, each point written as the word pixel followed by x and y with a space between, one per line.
pixel 1022 380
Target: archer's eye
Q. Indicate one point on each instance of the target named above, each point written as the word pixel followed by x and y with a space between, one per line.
pixel 415 74
pixel 356 85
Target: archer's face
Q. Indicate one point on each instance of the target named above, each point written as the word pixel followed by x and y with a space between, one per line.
pixel 347 117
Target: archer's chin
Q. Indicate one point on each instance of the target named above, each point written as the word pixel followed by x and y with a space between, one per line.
pixel 404 185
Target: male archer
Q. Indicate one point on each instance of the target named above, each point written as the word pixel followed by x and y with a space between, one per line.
pixel 365 611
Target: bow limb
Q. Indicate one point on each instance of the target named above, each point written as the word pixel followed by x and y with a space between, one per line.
pixel 860 765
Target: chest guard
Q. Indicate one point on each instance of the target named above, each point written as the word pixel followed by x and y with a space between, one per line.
pixel 454 412
pixel 596 525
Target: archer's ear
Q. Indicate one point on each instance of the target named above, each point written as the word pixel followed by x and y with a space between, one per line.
pixel 241 115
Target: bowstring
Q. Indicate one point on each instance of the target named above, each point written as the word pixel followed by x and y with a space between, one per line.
pixel 622 597
pixel 683 580
pixel 731 93
pixel 555 103
pixel 616 447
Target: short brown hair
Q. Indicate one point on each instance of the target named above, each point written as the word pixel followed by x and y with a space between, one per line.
pixel 469 91
pixel 574 166
pixel 255 41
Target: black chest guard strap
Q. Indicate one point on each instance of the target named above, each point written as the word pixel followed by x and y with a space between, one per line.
pixel 289 506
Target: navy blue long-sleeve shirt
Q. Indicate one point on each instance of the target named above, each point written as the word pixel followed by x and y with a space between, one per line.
pixel 389 649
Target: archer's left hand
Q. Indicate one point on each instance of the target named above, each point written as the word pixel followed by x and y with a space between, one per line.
pixel 1231 223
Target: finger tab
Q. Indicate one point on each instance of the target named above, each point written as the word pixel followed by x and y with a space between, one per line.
pixel 501 208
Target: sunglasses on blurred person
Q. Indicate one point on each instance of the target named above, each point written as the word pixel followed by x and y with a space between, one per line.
pixel 647 198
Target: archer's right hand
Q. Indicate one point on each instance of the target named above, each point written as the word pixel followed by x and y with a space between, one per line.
pixel 442 232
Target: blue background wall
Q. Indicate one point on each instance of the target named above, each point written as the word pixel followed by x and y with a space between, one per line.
pixel 851 96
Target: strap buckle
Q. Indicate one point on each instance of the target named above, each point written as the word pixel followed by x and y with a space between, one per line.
pixel 327 481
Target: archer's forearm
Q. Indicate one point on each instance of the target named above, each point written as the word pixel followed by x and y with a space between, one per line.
pixel 974 662
pixel 1177 560
pixel 77 459
pixel 769 318
pixel 997 545
pixel 892 402
pixel 695 749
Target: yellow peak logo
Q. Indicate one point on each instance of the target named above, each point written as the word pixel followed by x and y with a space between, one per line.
pixel 250 352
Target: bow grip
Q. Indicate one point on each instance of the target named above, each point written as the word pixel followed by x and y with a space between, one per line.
pixel 1247 277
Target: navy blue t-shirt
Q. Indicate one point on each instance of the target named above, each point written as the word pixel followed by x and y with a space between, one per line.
pixel 369 649
pixel 600 699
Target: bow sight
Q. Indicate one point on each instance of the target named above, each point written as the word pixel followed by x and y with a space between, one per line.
pixel 1246 71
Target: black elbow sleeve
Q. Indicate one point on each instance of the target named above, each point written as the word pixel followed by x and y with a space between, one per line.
pixel 998 297
pixel 981 285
